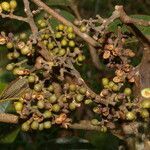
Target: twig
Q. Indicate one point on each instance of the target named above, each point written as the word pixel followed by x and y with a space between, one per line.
pixel 8 118
pixel 12 16
pixel 31 22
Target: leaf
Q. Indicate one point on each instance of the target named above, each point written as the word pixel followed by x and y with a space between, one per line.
pixel 57 2
pixel 9 138
pixel 145 30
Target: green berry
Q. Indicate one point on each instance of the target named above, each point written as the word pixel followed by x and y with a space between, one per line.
pixel 10 56
pixel 72 87
pixel 105 81
pixel 145 104
pixel 62 52
pixel 18 106
pixel 5 6
pixel 13 4
pixel 81 58
pixel 47 114
pixel 47 124
pixel 111 84
pixel 144 113
pixel 79 97
pixel 50 46
pixel 83 29
pixel 103 129
pixel 16 71
pixel 71 36
pixel 31 79
pixel 145 92
pixel 63 42
pixel 88 101
pixel 61 27
pixel 115 88
pixel 72 106
pixel 41 126
pixel 10 67
pixel 25 126
pixel 127 91
pixel 71 43
pixel 23 36
pixel 130 116
pixel 46 36
pixel 16 54
pixel 25 50
pixel 50 88
pixel 58 35
pixel 10 45
pixel 34 125
pixel 53 98
pixel 82 90
pixel 69 29
pixel 56 108
pixel 38 87
pixel 40 104
pixel 95 122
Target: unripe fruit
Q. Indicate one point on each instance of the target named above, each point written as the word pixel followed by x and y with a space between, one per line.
pixel 95 122
pixel 79 97
pixel 23 36
pixel 18 106
pixel 10 56
pixel 72 87
pixel 105 81
pixel 111 84
pixel 13 4
pixel 83 29
pixel 50 46
pixel 130 116
pixel 16 54
pixel 56 108
pixel 144 113
pixel 103 129
pixel 47 124
pixel 43 24
pixel 16 71
pixel 145 93
pixel 58 35
pixel 127 91
pixel 5 6
pixel 34 125
pixel 25 50
pixel 40 104
pixel 63 42
pixel 82 90
pixel 9 45
pixel 71 43
pixel 38 87
pixel 80 58
pixel 61 27
pixel 62 52
pixel 31 79
pixel 25 126
pixel 69 29
pixel 41 126
pixel 115 88
pixel 53 98
pixel 46 36
pixel 47 114
pixel 50 88
pixel 10 67
pixel 145 104
pixel 72 106
pixel 71 36
pixel 88 101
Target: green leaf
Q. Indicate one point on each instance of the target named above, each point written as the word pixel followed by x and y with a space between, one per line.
pixel 9 138
pixel 57 2
pixel 145 30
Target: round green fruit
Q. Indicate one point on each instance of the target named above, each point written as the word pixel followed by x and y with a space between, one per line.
pixel 145 92
pixel 34 125
pixel 47 124
pixel 79 98
pixel 5 6
pixel 56 108
pixel 13 4
pixel 145 104
pixel 25 126
pixel 127 91
pixel 47 114
pixel 18 106
pixel 130 116
pixel 40 104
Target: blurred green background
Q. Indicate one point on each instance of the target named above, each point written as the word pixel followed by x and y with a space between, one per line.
pixel 56 138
